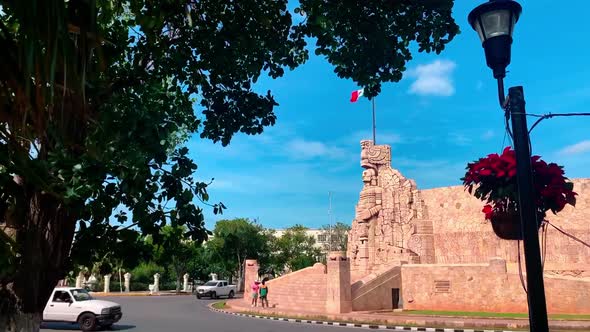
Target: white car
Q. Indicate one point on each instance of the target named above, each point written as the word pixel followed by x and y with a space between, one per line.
pixel 75 305
pixel 215 289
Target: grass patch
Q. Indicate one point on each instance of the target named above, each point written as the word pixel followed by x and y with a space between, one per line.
pixel 219 305
pixel 488 314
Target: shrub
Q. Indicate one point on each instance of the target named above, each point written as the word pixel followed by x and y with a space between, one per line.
pixel 144 272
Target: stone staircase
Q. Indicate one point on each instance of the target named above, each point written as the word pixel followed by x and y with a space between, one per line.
pixel 303 290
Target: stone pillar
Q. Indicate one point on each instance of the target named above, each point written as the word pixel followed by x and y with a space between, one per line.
pixel 107 283
pixel 250 275
pixel 424 237
pixel 156 282
pixel 339 294
pixel 213 276
pixel 80 280
pixel 92 281
pixel 185 285
pixel 127 277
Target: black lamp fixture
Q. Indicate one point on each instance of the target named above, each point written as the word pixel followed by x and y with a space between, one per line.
pixel 494 22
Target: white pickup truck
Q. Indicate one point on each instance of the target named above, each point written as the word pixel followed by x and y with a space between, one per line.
pixel 75 305
pixel 215 289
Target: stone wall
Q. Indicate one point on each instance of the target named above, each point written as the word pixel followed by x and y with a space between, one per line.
pixel 374 292
pixel 304 289
pixel 461 235
pixel 485 287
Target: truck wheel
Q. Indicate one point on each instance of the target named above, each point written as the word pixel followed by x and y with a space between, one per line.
pixel 198 296
pixel 231 295
pixel 213 295
pixel 87 322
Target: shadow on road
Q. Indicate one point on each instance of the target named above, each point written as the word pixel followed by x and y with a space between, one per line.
pixel 76 327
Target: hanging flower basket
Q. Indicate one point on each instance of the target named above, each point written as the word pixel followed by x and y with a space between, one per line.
pixel 506 224
pixel 493 180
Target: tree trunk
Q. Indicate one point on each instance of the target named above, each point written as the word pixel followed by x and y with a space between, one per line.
pixel 44 233
pixel 23 323
pixel 178 281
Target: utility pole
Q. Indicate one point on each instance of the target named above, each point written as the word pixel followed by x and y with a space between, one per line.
pixel 528 212
pixel 374 122
pixel 330 220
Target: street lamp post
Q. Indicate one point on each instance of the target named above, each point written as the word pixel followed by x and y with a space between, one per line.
pixel 494 22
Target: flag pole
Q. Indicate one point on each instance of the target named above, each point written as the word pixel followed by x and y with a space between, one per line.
pixel 374 141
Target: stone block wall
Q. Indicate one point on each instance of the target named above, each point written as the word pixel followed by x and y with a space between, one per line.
pixel 461 235
pixel 485 287
pixel 250 275
pixel 374 291
pixel 303 290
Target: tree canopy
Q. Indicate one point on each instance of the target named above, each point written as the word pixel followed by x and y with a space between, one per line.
pixel 336 236
pixel 97 98
pixel 294 249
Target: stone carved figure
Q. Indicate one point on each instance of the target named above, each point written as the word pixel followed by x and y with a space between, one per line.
pixel 156 282
pixel 366 212
pixel 127 277
pixel 391 224
pixel 107 283
pixel 80 280
pixel 185 283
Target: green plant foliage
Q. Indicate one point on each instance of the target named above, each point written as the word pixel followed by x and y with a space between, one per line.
pixel 144 272
pixel 236 240
pixel 295 249
pixel 97 98
pixel 336 236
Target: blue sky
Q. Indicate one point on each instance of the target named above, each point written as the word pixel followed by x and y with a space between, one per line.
pixel 443 114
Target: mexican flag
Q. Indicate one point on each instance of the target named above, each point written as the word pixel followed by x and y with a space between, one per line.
pixel 356 95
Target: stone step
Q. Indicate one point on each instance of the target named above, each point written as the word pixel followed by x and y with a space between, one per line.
pixel 296 302
pixel 298 286
pixel 308 294
pixel 294 288
pixel 305 280
pixel 306 308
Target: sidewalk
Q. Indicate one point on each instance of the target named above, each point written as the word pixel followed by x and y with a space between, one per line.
pixel 384 318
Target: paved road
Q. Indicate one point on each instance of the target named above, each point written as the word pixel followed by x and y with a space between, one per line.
pixel 186 313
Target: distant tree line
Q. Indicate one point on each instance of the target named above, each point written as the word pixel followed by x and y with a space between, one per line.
pixel 225 252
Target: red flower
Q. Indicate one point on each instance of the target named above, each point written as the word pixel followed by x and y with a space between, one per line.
pixel 485 172
pixel 488 211
pixel 493 180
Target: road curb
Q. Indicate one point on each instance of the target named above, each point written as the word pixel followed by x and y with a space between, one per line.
pixel 355 325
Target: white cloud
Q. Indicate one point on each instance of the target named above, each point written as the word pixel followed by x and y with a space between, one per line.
pixel 433 79
pixel 488 134
pixel 479 85
pixel 302 149
pixel 578 148
pixel 430 173
pixel 382 137
pixel 459 139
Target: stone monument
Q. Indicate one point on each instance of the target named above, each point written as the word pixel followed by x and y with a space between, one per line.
pixel 127 277
pixel 185 284
pixel 391 223
pixel 156 282
pixel 107 283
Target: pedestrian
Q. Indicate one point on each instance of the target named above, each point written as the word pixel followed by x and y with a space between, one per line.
pixel 264 293
pixel 255 288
